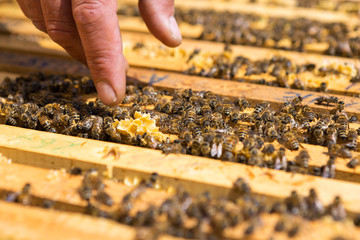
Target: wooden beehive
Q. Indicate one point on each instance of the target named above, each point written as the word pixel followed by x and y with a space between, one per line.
pixel 43 158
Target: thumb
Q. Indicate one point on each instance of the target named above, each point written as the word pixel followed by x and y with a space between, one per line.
pixel 159 17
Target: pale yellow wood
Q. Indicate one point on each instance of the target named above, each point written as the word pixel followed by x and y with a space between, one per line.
pixel 60 187
pixel 196 174
pixel 177 60
pixel 268 11
pixel 20 222
pixel 255 93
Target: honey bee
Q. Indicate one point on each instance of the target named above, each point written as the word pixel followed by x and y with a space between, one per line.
pixel 241 132
pixel 286 107
pixel 205 122
pixel 309 113
pixel 280 160
pixel 229 148
pixel 280 225
pixel 129 99
pixel 327 100
pixel 96 211
pixel 328 170
pixel 302 160
pixel 235 116
pixel 186 136
pixel 93 180
pixel 298 84
pixel 97 127
pixel 178 108
pixel 353 119
pixel 217 146
pixel 331 135
pixel 259 128
pixel 75 171
pixel 86 124
pixel 45 123
pixel 338 150
pixel 255 158
pixel 129 199
pixel 337 209
pixel 259 108
pixel 296 102
pixel 339 107
pixel 205 149
pixel 85 192
pixel 29 120
pixel 48 204
pixel 110 130
pixel 24 197
pixel 323 87
pixel 227 109
pixel 315 208
pixel 293 231
pixel 353 163
pixel 104 198
pixel 242 103
pixel 190 116
pixel 270 132
pixel 295 204
pixel 196 145
pixel 131 89
pixel 317 135
pixel 290 141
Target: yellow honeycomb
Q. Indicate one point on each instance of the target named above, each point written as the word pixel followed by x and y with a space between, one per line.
pixel 143 123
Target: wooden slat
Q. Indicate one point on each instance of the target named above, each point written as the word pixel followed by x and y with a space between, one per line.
pixel 20 222
pixel 24 63
pixel 10 10
pixel 336 84
pixel 268 11
pixel 254 93
pixel 192 31
pixel 60 187
pixel 196 174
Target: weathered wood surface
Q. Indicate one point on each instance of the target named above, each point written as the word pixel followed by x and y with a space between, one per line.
pixel 21 222
pixel 196 174
pixel 11 10
pixel 25 63
pixel 155 56
pixel 62 188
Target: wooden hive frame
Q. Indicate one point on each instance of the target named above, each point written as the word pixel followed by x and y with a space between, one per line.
pixel 33 151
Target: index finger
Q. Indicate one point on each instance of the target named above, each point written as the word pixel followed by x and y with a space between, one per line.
pixel 98 27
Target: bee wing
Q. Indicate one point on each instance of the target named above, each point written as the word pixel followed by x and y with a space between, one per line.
pixel 213 151
pixel 219 150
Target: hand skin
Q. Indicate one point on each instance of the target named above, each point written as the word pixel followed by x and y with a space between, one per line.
pixel 89 31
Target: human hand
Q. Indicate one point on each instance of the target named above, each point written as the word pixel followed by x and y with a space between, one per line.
pixel 89 31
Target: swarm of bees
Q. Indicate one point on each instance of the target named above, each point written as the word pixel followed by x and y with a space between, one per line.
pixel 273 32
pixel 280 71
pixel 199 123
pixel 277 71
pixel 196 217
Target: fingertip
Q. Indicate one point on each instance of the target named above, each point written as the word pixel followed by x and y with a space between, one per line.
pixel 175 32
pixel 159 17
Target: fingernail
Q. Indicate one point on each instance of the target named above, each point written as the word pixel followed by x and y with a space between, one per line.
pixel 174 28
pixel 106 92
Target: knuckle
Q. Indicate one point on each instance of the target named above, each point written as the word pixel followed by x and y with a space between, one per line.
pixel 100 60
pixel 39 25
pixel 88 12
pixel 60 32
